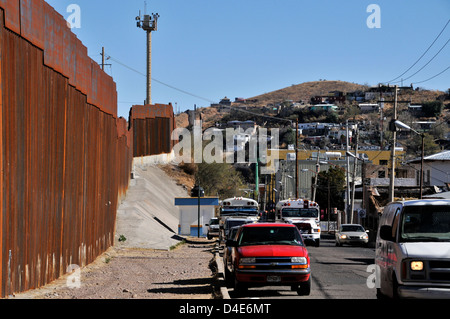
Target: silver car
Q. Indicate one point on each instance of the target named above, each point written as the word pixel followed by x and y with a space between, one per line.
pixel 352 234
pixel 213 228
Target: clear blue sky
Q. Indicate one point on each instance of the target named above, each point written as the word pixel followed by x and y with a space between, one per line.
pixel 243 48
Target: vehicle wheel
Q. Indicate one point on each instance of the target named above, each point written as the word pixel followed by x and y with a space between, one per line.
pixel 229 278
pixel 305 288
pixel 239 288
pixel 394 287
pixel 317 243
pixel 380 295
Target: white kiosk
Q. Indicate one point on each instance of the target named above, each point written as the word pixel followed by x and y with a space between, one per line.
pixel 189 215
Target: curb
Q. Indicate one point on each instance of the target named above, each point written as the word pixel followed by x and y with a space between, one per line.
pixel 221 275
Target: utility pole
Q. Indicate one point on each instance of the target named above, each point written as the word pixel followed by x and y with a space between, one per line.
pixel 316 177
pixel 296 161
pixel 352 209
pixel 348 174
pixel 394 142
pixel 148 23
pixel 103 59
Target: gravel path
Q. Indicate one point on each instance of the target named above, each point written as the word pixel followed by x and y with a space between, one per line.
pixel 186 272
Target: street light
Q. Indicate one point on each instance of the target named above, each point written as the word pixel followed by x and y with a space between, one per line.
pixel 405 127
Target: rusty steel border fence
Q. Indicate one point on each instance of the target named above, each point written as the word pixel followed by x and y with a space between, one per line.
pixel 65 157
pixel 152 127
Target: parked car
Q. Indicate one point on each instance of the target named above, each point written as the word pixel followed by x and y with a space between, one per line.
pixel 227 255
pixel 231 222
pixel 352 234
pixel 413 250
pixel 269 254
pixel 213 228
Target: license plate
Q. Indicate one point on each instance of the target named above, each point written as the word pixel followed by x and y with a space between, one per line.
pixel 273 278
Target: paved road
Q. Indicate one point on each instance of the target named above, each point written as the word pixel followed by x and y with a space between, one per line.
pixel 337 273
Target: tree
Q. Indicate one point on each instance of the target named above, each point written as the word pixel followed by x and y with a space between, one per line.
pixel 430 147
pixel 219 179
pixel 336 178
pixel 431 109
pixel 288 137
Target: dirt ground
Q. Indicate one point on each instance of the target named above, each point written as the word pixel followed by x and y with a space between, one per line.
pixel 185 272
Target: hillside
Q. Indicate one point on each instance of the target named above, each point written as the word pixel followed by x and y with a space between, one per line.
pixel 307 90
pixel 304 92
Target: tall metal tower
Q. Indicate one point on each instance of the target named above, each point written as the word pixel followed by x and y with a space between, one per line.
pixel 148 23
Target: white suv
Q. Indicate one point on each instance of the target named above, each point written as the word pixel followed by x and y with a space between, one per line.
pixel 413 250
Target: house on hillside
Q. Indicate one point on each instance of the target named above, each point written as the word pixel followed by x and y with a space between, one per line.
pixel 225 101
pixel 324 107
pixel 436 169
pixel 369 108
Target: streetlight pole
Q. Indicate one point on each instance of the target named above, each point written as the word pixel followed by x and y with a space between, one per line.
pixel 394 142
pixel 402 125
pixel 348 176
pixel 296 162
pixel 421 165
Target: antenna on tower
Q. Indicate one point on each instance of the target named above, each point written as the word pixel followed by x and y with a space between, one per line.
pixel 148 23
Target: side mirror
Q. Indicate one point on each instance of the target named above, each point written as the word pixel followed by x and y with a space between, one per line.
pixel 206 225
pixel 367 231
pixel 231 243
pixel 386 233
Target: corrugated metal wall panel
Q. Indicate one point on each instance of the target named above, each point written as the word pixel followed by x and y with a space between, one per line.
pixel 70 55
pixel 65 164
pixel 39 23
pixel 12 14
pixel 152 127
pixel 32 22
pixel 2 22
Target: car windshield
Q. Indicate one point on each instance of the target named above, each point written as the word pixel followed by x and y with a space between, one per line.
pixel 234 223
pixel 270 236
pixel 214 221
pixel 300 212
pixel 425 224
pixel 352 228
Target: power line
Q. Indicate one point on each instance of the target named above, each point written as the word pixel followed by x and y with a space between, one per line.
pixel 427 62
pixel 423 53
pixel 185 92
pixel 435 76
pixel 160 82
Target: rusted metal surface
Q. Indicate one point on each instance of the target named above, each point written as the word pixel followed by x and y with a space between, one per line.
pixel 37 22
pixel 152 127
pixel 65 162
pixel 12 14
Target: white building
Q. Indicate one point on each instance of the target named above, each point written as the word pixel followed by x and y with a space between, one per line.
pixel 189 214
pixel 436 169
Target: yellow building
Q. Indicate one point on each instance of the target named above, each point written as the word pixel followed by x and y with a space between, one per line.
pixel 377 157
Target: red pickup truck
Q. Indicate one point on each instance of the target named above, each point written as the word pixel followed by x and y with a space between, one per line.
pixel 269 254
